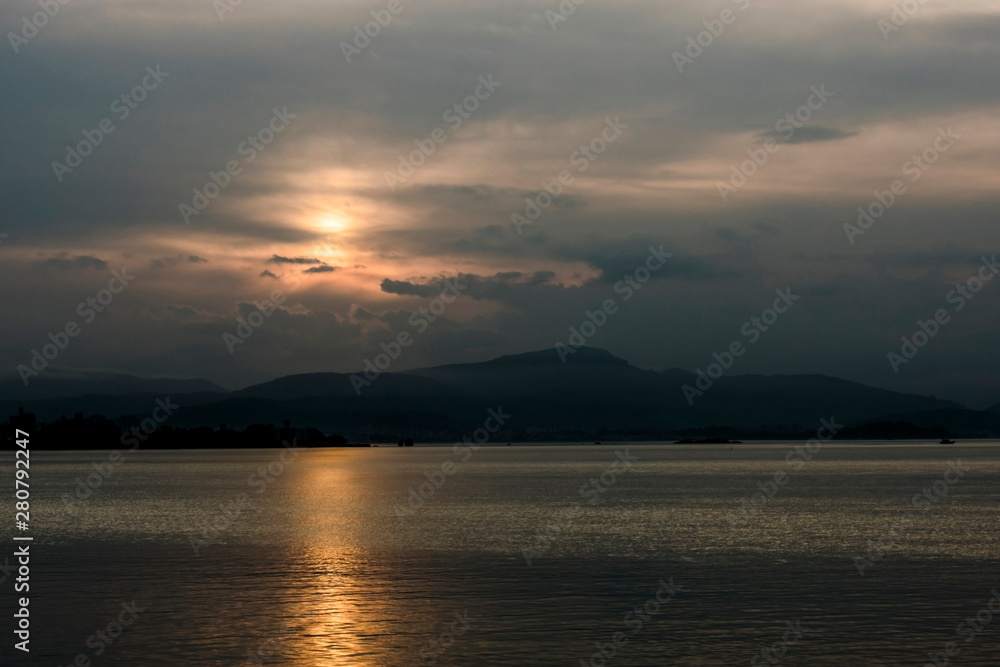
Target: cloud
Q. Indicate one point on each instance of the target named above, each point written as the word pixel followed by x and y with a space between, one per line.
pixel 361 313
pixel 811 133
pixel 406 288
pixel 321 269
pixel 278 259
pixel 78 262
pixel 504 286
pixel 165 262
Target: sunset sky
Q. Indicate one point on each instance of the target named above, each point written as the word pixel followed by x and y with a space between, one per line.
pixel 313 215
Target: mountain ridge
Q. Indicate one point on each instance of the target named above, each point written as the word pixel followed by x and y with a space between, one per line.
pixel 592 392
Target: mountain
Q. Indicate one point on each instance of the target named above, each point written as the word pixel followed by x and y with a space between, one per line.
pixel 959 423
pixel 338 385
pixel 587 375
pixel 754 400
pixel 592 395
pixel 593 389
pixel 54 383
pixel 995 409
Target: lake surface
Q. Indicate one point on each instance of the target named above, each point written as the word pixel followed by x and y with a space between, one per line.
pixel 323 562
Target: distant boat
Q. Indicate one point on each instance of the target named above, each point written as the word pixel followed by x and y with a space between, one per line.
pixel 946 441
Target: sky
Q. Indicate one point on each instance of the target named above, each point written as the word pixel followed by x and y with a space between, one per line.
pixel 738 137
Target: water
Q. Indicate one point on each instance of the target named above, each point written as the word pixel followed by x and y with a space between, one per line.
pixel 320 567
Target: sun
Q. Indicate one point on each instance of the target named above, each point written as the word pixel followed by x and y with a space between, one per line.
pixel 331 231
pixel 333 223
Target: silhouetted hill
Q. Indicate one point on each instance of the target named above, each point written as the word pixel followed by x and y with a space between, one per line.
pixel 338 385
pixel 959 423
pixel 54 383
pixel 113 407
pixel 590 373
pixel 593 395
pixel 896 430
pixel 595 390
pixel 752 400
pixel 995 409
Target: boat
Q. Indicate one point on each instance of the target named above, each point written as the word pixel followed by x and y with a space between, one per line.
pixel 946 441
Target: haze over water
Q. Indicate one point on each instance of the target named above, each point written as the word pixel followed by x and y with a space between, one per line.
pixel 320 569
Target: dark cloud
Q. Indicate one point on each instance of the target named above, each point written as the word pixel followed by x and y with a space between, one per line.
pixel 406 288
pixel 166 262
pixel 359 313
pixel 616 259
pixel 321 269
pixel 811 133
pixel 78 262
pixel 504 286
pixel 278 259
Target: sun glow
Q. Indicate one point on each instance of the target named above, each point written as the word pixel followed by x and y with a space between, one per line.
pixel 333 223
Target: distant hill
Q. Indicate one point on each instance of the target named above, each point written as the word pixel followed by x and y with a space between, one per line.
pixel 995 409
pixel 338 385
pixel 960 423
pixel 893 431
pixel 594 389
pixel 752 400
pixel 49 409
pixel 589 374
pixel 594 395
pixel 55 384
